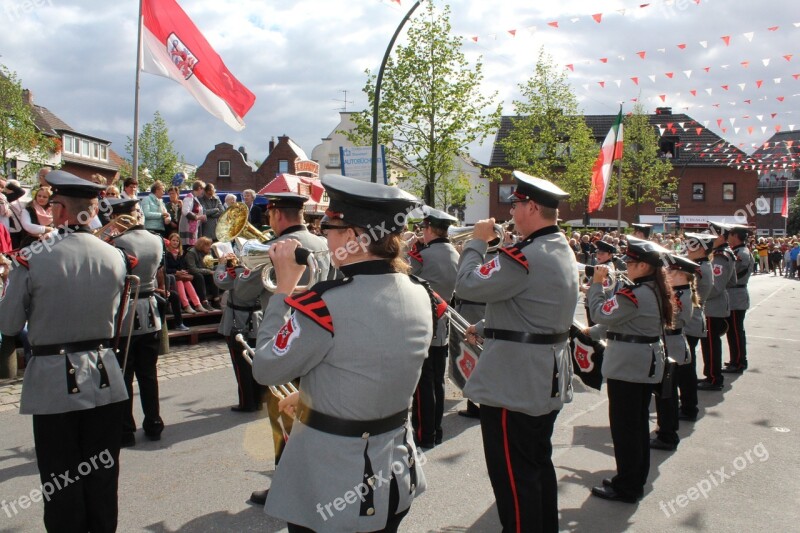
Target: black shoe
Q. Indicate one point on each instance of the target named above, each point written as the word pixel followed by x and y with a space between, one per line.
pixel 259 497
pixel 468 414
pixel 708 386
pixel 733 369
pixel 687 417
pixel 658 444
pixel 606 481
pixel 426 445
pixel 128 440
pixel 239 409
pixel 608 493
pixel 153 436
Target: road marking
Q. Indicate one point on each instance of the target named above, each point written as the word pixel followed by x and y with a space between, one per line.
pixel 772 338
pixel 767 298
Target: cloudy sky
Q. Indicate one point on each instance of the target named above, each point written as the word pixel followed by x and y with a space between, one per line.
pixel 731 62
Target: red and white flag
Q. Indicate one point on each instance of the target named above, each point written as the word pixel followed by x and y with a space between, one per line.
pixel 601 171
pixel 173 47
pixel 785 206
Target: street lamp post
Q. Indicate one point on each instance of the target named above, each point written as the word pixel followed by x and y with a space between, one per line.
pixel 377 99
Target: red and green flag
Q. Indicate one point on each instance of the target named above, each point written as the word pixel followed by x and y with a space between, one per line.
pixel 601 171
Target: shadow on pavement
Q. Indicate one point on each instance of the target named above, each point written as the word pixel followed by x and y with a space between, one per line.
pixel 251 519
pixel 20 470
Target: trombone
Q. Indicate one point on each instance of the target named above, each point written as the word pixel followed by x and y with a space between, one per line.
pixel 280 391
pixel 116 227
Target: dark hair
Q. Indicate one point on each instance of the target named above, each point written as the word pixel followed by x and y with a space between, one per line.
pixel 390 248
pixel 129 181
pixel 156 184
pixel 209 187
pixel 176 189
pixel 666 295
pixel 197 185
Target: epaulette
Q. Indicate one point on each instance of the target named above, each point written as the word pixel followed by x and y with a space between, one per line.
pixel 516 254
pixel 725 252
pixel 414 253
pixel 18 258
pixel 438 305
pixel 311 304
pixel 629 294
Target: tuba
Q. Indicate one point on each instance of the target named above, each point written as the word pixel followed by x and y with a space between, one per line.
pixel 233 223
pixel 255 255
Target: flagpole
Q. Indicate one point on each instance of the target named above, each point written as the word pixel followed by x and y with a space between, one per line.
pixel 785 201
pixel 135 155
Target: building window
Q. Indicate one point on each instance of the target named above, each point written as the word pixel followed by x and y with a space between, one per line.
pixel 104 152
pixel 728 192
pixel 68 144
pixel 333 161
pixel 325 198
pixel 762 206
pixel 503 192
pixel 699 192
pixel 777 204
pixel 95 151
pixel 224 169
pixel 85 148
pixel 668 148
pixel 283 166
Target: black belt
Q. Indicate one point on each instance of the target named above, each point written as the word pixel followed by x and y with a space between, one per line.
pixel 350 428
pixel 70 347
pixel 244 308
pixel 637 339
pixel 145 294
pixel 527 338
pixel 673 331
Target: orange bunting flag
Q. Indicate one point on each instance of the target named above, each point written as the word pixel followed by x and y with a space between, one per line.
pixel 635 80
pixel 694 92
pixel 745 64
pixel 641 54
pixel 597 17
pixel 475 38
pixel 780 98
pixel 726 39
pixel 553 24
pixel 698 130
pixel 663 97
pixel 513 33
pixel 724 87
pixel 788 57
pixel 669 74
pixel 773 28
pixel 706 69
pixel 602 84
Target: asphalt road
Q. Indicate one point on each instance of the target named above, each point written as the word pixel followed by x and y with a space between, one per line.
pixel 736 468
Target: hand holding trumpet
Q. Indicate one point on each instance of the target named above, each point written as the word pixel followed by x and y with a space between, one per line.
pixel 287 271
pixel 600 273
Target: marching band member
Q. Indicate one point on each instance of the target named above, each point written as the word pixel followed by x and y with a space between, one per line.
pixel 717 308
pixel 69 294
pixel 285 217
pixel 436 262
pixel 633 319
pixel 680 275
pixel 642 231
pixel 605 255
pixel 142 356
pixel 351 443
pixel 739 300
pixel 523 376
pixel 698 247
pixel 241 314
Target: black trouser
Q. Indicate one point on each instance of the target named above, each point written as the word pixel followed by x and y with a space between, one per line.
pixel 83 446
pixel 518 455
pixel 251 392
pixel 589 320
pixel 667 412
pixel 275 420
pixel 687 380
pixel 737 340
pixel 712 349
pixel 392 521
pixel 427 408
pixel 628 414
pixel 204 286
pixel 142 362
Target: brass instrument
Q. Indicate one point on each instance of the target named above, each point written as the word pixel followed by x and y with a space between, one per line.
pixel 233 223
pixel 280 391
pixel 255 255
pixel 463 361
pixel 118 225
pixel 460 235
pixel 218 251
pixel 613 274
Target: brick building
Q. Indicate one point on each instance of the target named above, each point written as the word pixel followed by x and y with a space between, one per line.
pixel 228 169
pixel 709 189
pixel 281 159
pixel 777 162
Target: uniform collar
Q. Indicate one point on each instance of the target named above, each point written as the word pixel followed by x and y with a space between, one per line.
pixel 440 239
pixel 547 230
pixel 644 279
pixel 73 228
pixel 367 268
pixel 293 229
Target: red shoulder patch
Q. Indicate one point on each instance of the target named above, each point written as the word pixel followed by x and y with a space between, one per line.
pixel 18 258
pixel 313 306
pixel 132 260
pixel 629 294
pixel 414 254
pixel 441 305
pixel 516 254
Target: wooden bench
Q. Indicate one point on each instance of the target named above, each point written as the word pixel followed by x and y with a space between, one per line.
pixel 199 324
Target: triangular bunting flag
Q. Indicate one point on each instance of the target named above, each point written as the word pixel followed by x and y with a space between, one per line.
pixel 773 115
pixel 733 121
pixel 474 38
pixel 663 97
pixel 688 73
pixel 748 102
pixel 780 98
pixel 760 118
pixel 759 83
pixel 652 77
pixel 641 54
pixel 788 57
pixel 513 33
pixel 719 122
pixel 742 86
pixel 706 69
pixel 773 28
pixel 669 74
pixel 618 82
pixel 724 87
pixel 554 24
pixel 745 64
pixel 635 80
pixel 796 76
pixel 736 130
pixel 602 84
pixel 682 46
pixel 748 36
pixel 763 129
pixel 704 44
pixel 726 39
pixel 694 92
pixel 765 61
pixel 709 91
pixel 598 17
pixel 778 127
pixel 777 80
pixel 698 130
pixel 662 50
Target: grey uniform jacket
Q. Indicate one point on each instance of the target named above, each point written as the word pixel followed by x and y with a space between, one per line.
pixel 242 303
pixel 724 275
pixel 696 327
pixel 437 263
pixel 368 369
pixel 148 250
pixel 68 294
pixel 738 295
pixel 675 343
pixel 530 287
pixel 309 241
pixel 631 310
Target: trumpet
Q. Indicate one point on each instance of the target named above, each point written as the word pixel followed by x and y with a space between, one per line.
pixel 280 391
pixel 218 251
pixel 118 225
pixel 460 235
pixel 613 274
pixel 255 255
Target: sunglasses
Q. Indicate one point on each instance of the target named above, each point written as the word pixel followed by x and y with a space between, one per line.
pixel 324 228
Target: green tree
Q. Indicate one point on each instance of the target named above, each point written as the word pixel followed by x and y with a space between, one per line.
pixel 431 109
pixel 19 136
pixel 156 153
pixel 550 138
pixel 793 222
pixel 645 175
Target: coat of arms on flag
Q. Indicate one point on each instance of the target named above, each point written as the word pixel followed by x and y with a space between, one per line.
pixel 587 357
pixel 183 58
